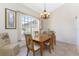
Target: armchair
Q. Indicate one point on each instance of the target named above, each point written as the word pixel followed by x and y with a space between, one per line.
pixel 6 47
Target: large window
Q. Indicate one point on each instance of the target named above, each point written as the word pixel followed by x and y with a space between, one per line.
pixel 26 19
pixel 29 24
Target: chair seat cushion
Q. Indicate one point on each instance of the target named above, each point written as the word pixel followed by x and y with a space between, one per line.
pixel 36 47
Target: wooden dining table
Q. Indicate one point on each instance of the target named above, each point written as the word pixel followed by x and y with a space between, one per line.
pixel 41 40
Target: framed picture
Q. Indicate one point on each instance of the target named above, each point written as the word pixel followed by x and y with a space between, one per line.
pixel 10 19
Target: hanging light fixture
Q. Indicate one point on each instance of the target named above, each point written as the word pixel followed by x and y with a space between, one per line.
pixel 45 14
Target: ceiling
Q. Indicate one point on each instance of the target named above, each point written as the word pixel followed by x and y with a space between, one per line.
pixel 39 7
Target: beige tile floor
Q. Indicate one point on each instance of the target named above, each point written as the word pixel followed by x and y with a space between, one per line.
pixel 61 49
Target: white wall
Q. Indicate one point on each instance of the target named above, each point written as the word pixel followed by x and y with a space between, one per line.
pixel 63 22
pixel 13 33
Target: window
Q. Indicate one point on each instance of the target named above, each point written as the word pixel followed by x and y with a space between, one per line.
pixel 29 23
pixel 26 19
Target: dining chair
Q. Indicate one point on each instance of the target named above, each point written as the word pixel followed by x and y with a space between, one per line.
pixel 36 33
pixel 31 46
pixel 52 40
pixel 54 37
pixel 44 32
pixel 48 42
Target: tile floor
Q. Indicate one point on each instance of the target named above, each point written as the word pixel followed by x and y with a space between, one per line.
pixel 61 49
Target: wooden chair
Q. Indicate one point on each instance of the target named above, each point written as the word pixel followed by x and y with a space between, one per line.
pixel 44 32
pixel 31 46
pixel 52 40
pixel 49 42
pixel 54 37
pixel 36 33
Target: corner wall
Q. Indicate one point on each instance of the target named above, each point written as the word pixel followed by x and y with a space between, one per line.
pixel 63 22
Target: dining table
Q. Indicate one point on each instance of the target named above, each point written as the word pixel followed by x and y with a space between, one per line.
pixel 41 39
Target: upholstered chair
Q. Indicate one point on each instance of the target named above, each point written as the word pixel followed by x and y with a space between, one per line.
pixel 6 47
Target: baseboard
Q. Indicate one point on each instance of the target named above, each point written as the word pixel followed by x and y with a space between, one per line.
pixel 67 43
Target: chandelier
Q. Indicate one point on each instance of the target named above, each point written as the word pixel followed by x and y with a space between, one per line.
pixel 45 14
